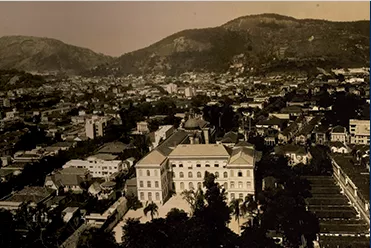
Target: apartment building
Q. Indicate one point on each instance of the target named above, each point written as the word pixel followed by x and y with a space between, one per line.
pixel 185 166
pixel 99 165
pixel 96 126
pixel 359 131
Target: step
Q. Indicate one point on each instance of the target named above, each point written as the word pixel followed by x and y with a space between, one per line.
pixel 334 214
pixel 342 200
pixel 344 242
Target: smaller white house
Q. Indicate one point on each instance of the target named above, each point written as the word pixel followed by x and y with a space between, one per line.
pixel 339 133
pixel 338 147
pixel 296 154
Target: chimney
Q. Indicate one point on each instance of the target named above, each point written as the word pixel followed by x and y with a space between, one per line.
pixel 191 139
pixel 206 135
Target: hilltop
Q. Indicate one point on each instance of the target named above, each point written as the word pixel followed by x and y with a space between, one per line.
pixel 35 54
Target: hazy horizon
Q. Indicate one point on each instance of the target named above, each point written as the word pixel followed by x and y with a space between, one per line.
pixel 115 28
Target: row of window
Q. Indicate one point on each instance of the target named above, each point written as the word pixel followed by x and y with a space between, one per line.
pixel 225 185
pixel 148 173
pixel 157 196
pixel 104 167
pixel 225 174
pixel 197 165
pixel 240 196
pixel 149 184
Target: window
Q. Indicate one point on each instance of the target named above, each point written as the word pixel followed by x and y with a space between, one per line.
pixel 180 165
pixel 232 185
pixel 239 174
pixel 141 184
pixel 173 165
pixel 173 174
pixel 149 196
pixel 149 184
pixel 240 185
pixel 225 185
pixel 157 196
pixel 190 175
pixel 198 165
pixel 156 184
pixel 199 175
pixel 148 173
pixel 248 184
pixel 190 186
pixel 216 165
pixel 142 196
pixel 232 196
pixel 199 185
pixel 216 174
pixel 140 173
pixel 182 186
pixel 207 165
pixel 240 196
pixel 232 173
pixel 181 174
pixel 248 173
pixel 156 173
pixel 225 174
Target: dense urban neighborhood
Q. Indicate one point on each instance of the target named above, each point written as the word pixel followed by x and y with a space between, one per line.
pixel 195 160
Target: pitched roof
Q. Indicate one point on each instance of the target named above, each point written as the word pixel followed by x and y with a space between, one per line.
pixel 242 155
pixel 200 150
pixel 271 121
pixel 230 137
pixel 339 129
pixel 154 157
pixel 290 149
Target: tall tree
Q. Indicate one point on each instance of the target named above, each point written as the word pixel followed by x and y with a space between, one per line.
pixel 151 208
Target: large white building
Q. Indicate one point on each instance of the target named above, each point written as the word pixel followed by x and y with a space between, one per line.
pixel 185 165
pixel 96 126
pixel 99 165
pixel 359 131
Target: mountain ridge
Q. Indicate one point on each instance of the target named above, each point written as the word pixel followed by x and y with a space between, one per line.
pixel 259 43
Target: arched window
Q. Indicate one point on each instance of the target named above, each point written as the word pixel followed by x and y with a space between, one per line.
pixel 140 173
pixel 156 184
pixel 248 184
pixel 148 173
pixel 240 185
pixel 239 173
pixel 190 186
pixel 199 175
pixel 225 174
pixel 156 173
pixel 199 185
pixel 240 196
pixel 225 185
pixel 190 175
pixel 248 173
pixel 182 186
pixel 142 196
pixel 232 185
pixel 216 174
pixel 181 174
pixel 149 196
pixel 157 196
pixel 232 173
pixel 148 184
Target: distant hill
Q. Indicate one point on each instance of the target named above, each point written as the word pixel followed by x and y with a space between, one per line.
pixel 265 42
pixel 36 54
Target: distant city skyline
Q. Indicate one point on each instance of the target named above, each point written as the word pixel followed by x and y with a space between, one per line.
pixel 115 28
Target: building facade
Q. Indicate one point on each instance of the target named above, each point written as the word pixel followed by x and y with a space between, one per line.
pixel 185 167
pixel 359 131
pixel 97 126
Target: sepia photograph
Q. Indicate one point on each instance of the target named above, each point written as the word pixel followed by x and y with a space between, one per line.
pixel 184 124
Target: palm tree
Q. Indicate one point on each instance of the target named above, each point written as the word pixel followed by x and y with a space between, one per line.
pixel 152 208
pixel 249 207
pixel 194 198
pixel 235 207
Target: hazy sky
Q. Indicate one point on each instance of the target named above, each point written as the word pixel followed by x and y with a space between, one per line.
pixel 114 28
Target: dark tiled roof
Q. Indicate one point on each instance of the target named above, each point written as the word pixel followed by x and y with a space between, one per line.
pixel 179 137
